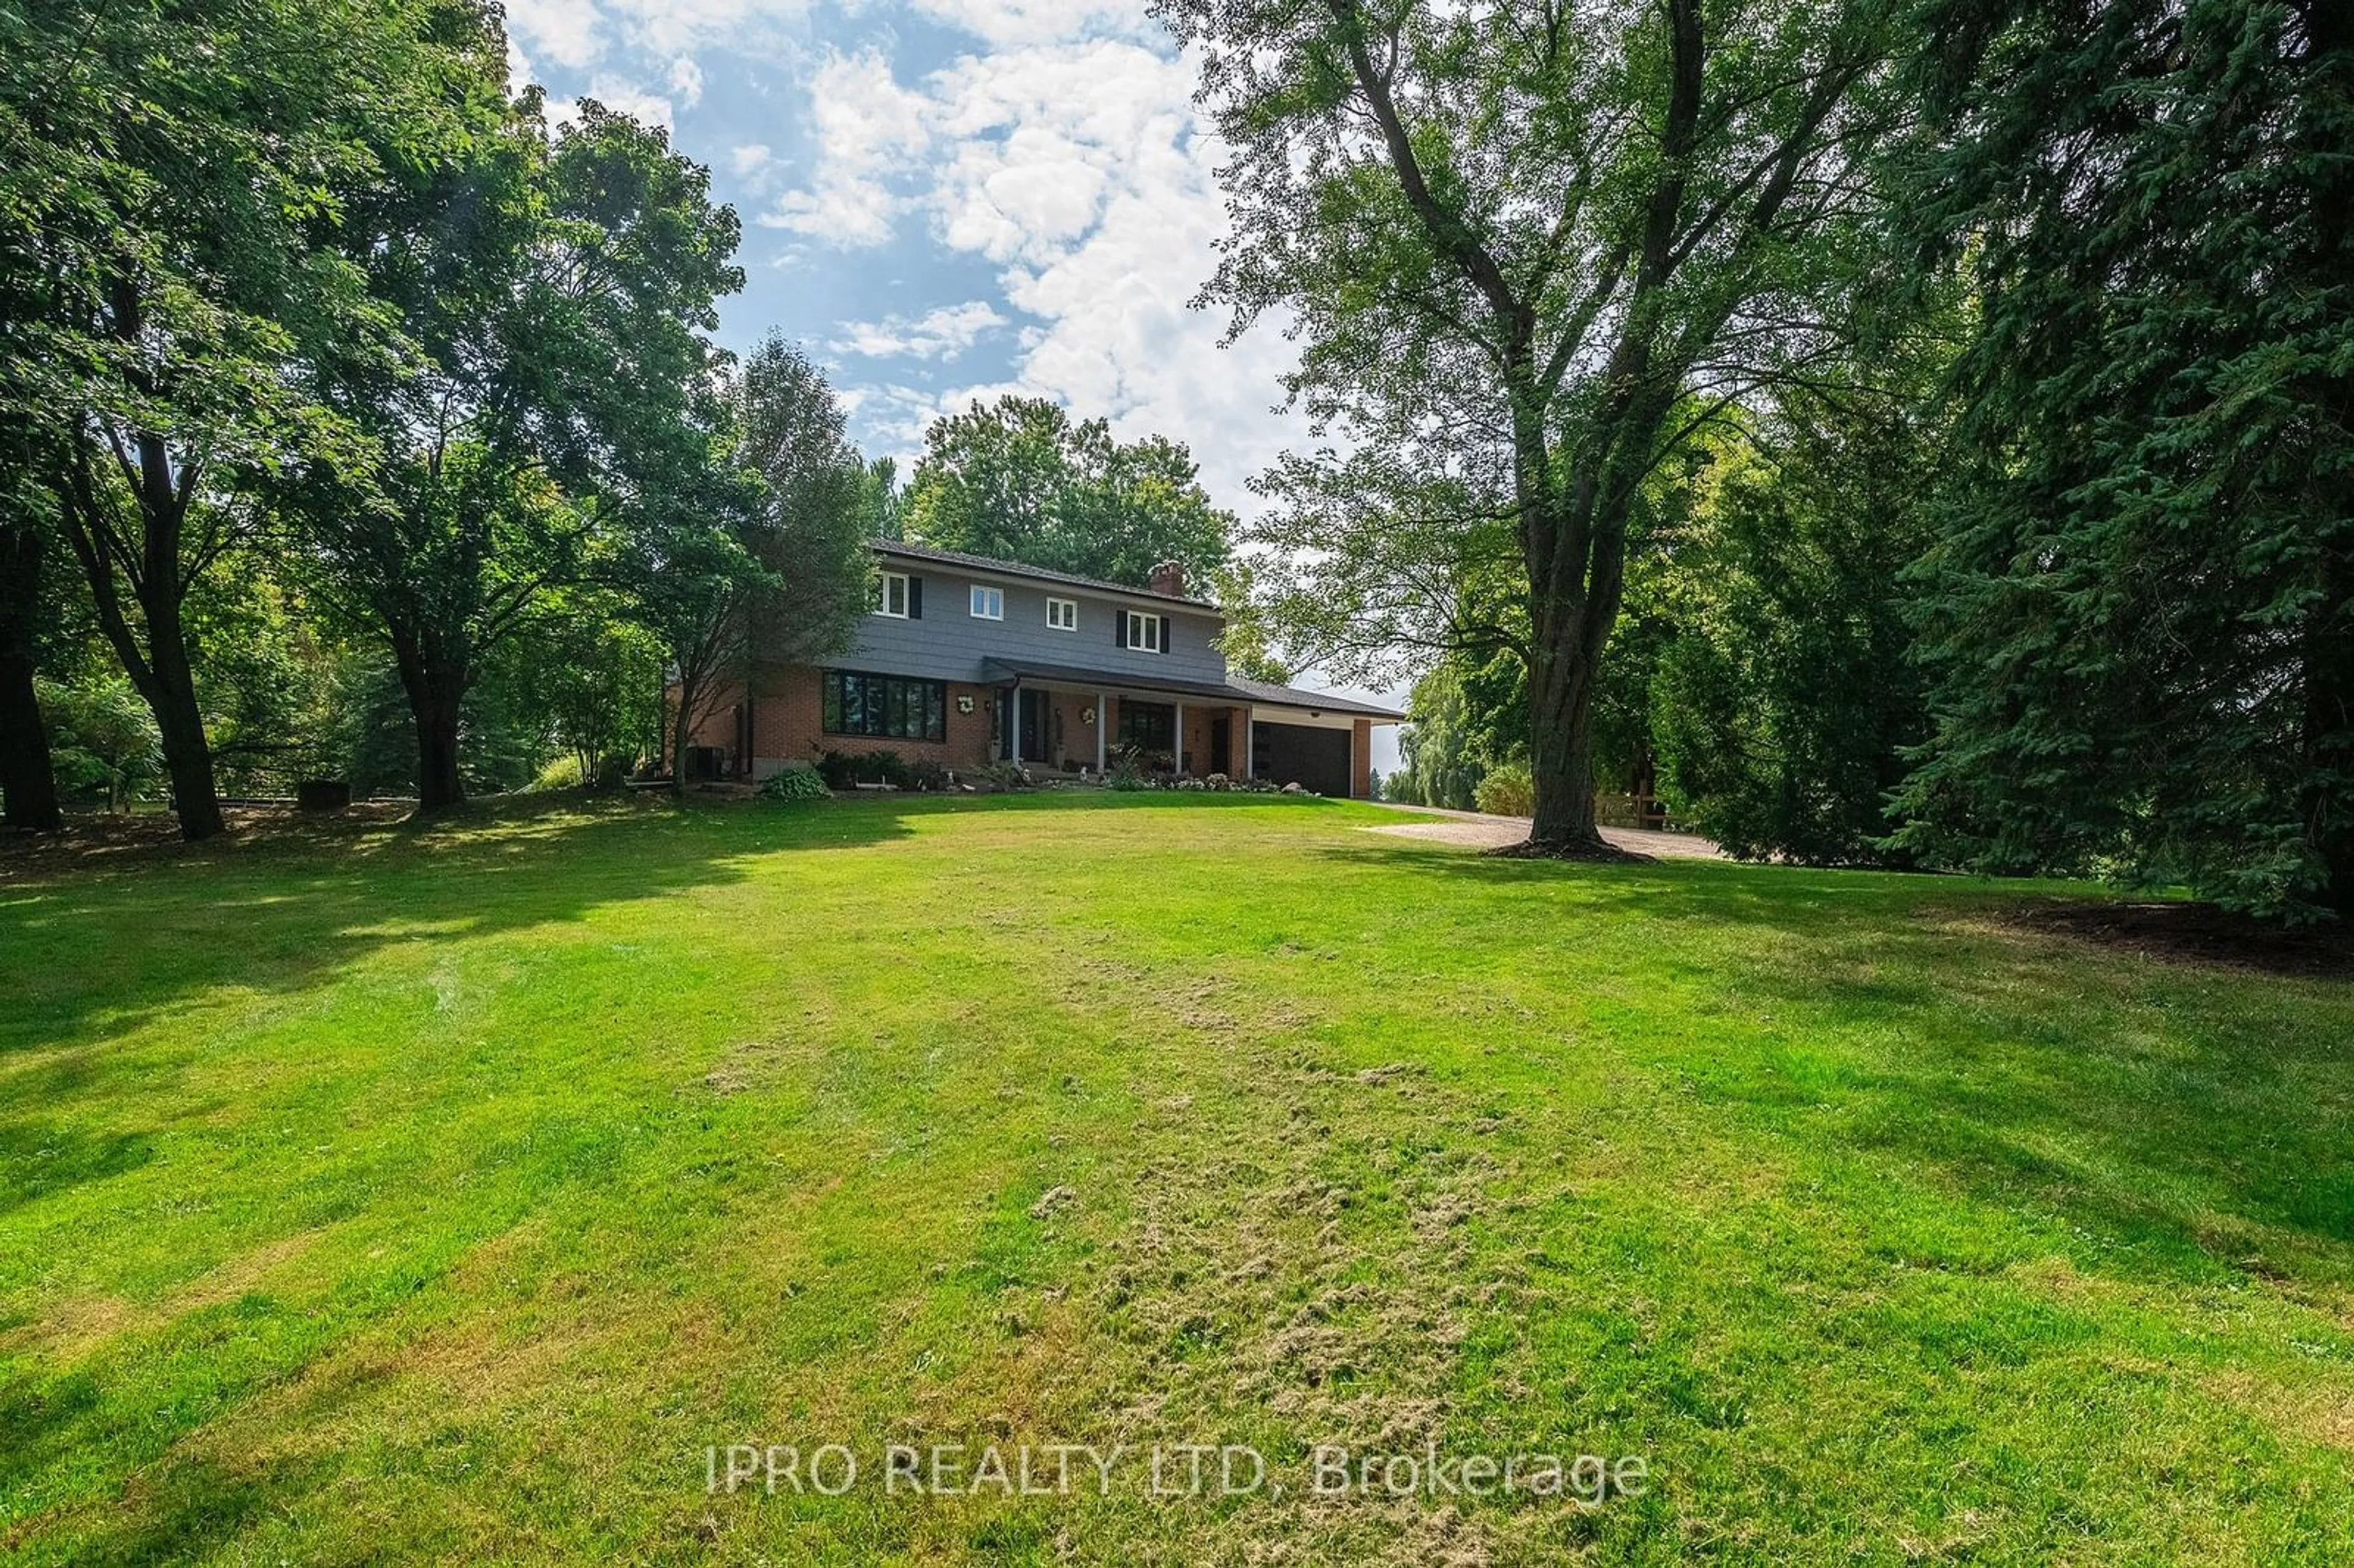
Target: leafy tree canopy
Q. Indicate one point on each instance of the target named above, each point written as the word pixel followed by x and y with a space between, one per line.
pixel 1020 481
pixel 762 559
pixel 177 182
pixel 553 298
pixel 1529 248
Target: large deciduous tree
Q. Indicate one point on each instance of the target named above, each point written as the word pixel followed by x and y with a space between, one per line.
pixel 554 297
pixel 175 175
pixel 2141 610
pixel 1020 481
pixel 1527 244
pixel 763 561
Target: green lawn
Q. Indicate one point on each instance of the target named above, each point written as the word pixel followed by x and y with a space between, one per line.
pixel 452 1193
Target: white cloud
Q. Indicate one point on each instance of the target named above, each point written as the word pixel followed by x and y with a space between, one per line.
pixel 869 131
pixel 1038 21
pixel 1060 149
pixel 747 26
pixel 577 35
pixel 943 333
pixel 1046 136
pixel 1078 169
pixel 623 97
pixel 568 31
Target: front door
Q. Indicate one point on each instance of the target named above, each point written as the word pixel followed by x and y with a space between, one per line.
pixel 1221 740
pixel 1033 726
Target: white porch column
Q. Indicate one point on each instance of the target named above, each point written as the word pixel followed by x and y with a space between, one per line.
pixel 1181 735
pixel 1247 746
pixel 1103 728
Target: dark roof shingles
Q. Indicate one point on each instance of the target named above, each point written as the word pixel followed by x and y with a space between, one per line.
pixel 1019 568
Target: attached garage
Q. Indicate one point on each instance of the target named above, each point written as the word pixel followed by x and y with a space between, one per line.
pixel 1312 756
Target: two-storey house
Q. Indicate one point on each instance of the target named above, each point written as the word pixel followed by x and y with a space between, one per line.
pixel 965 661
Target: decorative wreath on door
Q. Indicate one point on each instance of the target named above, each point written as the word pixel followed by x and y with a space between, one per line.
pixel 964 703
pixel 1086 715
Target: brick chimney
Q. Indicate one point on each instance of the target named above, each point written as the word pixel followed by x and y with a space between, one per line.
pixel 1169 579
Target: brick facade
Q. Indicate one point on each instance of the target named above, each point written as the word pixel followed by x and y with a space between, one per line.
pixel 788 726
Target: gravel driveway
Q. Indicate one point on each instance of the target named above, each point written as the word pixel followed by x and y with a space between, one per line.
pixel 1475 830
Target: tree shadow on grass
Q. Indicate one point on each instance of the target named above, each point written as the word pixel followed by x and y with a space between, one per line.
pixel 88 957
pixel 91 952
pixel 185 1512
pixel 2177 1116
pixel 40 1157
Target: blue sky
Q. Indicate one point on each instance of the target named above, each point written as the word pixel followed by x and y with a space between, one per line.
pixel 944 199
pixel 947 199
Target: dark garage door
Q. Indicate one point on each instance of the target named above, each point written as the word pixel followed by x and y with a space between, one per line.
pixel 1315 759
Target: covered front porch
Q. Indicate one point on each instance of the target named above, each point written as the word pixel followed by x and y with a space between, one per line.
pixel 1066 728
pixel 1079 722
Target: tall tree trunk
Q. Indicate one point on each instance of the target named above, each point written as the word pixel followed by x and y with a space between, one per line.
pixel 1560 749
pixel 439 786
pixel 439 707
pixel 1575 561
pixel 26 776
pixel 150 562
pixel 170 692
pixel 682 729
pixel 436 683
pixel 161 493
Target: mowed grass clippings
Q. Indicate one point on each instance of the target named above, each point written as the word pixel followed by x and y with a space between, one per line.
pixel 452 1194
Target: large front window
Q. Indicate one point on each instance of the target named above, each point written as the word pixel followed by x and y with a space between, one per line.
pixel 892 707
pixel 1148 726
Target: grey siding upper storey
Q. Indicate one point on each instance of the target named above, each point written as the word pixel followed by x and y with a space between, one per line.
pixel 949 643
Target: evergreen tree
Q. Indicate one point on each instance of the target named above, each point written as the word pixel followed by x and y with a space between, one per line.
pixel 2140 608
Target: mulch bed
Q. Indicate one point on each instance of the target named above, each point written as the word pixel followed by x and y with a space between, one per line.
pixel 2197 933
